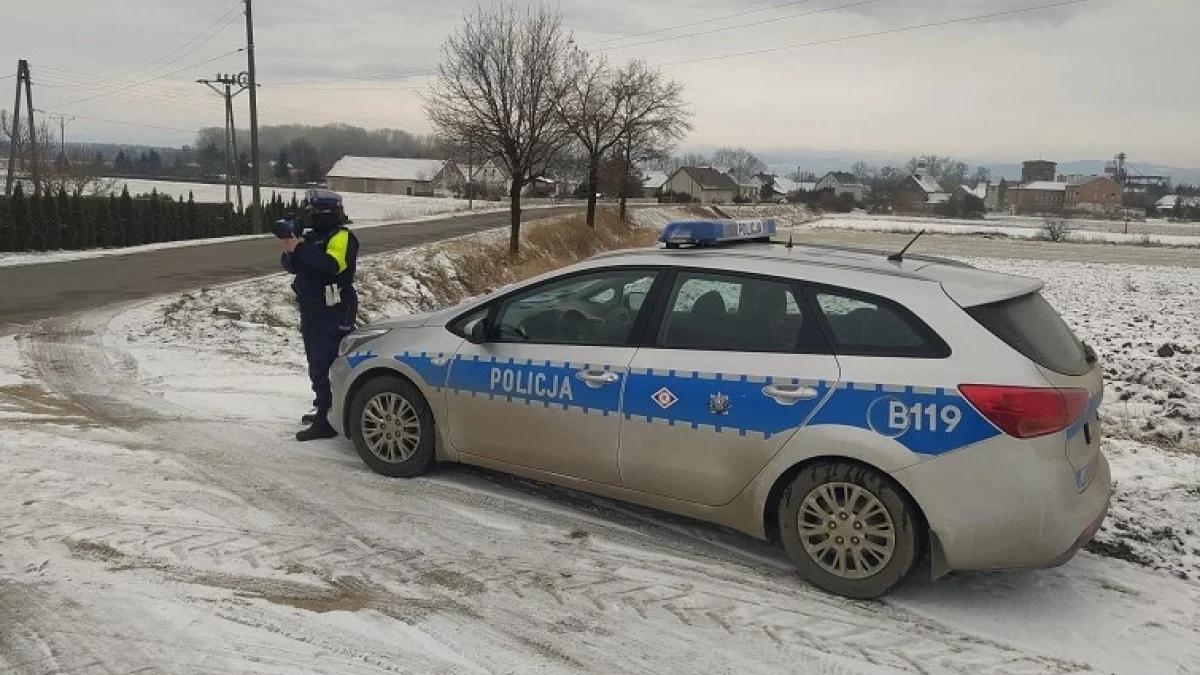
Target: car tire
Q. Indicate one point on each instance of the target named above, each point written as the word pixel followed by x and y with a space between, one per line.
pixel 849 509
pixel 392 427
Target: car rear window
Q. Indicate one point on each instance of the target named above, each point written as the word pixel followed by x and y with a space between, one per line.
pixel 862 325
pixel 1030 325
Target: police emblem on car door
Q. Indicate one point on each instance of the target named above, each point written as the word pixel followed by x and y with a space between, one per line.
pixel 745 365
pixel 543 390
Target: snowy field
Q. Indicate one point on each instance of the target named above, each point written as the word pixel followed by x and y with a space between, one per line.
pixel 1011 227
pixel 1003 220
pixel 154 515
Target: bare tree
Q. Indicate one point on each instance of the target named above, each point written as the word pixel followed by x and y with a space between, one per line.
pixel 862 171
pixel 498 86
pixel 653 117
pixel 591 108
pixel 739 161
pixel 982 175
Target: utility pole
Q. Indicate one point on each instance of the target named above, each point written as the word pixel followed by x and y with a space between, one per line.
pixel 470 179
pixel 232 168
pixel 33 140
pixel 252 83
pixel 63 121
pixel 22 79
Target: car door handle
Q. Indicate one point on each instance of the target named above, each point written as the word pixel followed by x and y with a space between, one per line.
pixel 789 394
pixel 597 378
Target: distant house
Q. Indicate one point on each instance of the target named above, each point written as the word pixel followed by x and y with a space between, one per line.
pixel 750 189
pixel 997 193
pixel 703 184
pixel 1166 205
pixel 842 183
pixel 779 187
pixel 1095 194
pixel 652 182
pixel 492 175
pixel 390 175
pixel 1038 197
pixel 919 193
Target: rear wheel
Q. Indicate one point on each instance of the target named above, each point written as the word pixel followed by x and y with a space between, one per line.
pixel 392 427
pixel 849 529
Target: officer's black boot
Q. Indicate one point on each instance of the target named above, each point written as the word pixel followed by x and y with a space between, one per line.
pixel 320 429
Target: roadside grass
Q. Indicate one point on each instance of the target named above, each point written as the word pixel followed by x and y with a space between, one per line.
pixel 546 246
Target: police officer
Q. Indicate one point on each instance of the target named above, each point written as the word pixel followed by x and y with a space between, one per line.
pixel 323 260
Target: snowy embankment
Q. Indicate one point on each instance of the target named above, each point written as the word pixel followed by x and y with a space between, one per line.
pixel 1084 232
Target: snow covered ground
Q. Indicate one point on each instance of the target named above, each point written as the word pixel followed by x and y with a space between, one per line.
pixel 154 515
pixel 1136 227
pixel 1024 229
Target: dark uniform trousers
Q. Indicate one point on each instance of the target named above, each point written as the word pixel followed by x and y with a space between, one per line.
pixel 322 329
pixel 324 259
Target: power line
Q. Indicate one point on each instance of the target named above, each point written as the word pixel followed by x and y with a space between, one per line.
pixel 134 84
pixel 160 60
pixel 890 31
pixel 130 124
pixel 744 25
pixel 698 23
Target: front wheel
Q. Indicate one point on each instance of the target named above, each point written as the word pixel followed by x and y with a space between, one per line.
pixel 392 427
pixel 849 529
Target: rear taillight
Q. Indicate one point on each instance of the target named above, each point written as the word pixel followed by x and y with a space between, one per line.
pixel 1027 412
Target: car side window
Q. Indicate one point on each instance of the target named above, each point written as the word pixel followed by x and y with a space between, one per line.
pixel 595 308
pixel 722 312
pixel 861 325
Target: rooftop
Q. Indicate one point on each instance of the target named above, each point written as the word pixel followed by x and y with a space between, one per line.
pixel 388 168
pixel 1046 185
pixel 709 178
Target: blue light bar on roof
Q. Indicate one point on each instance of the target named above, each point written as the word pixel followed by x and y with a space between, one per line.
pixel 711 232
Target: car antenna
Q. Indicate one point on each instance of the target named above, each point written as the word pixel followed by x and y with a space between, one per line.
pixel 899 257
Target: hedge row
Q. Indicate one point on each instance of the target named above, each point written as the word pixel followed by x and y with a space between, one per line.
pixel 48 222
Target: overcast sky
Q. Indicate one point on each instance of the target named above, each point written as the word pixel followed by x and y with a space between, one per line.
pixel 1077 82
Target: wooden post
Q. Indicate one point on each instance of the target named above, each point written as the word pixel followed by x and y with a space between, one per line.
pixel 33 144
pixel 253 86
pixel 16 133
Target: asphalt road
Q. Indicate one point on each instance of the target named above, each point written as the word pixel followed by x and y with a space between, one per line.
pixel 34 292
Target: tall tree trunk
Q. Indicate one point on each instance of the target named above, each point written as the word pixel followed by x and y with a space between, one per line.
pixel 593 181
pixel 514 236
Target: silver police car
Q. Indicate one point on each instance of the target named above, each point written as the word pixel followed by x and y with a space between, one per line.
pixel 867 412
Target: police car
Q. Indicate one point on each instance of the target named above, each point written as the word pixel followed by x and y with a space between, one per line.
pixel 869 412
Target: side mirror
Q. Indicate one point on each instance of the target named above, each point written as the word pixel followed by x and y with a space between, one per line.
pixel 476 331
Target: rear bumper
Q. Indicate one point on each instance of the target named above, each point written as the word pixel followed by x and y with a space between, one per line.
pixel 990 512
pixel 1086 536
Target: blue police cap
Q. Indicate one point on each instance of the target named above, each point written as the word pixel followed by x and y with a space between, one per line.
pixel 323 201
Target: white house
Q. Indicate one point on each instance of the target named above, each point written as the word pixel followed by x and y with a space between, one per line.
pixel 842 183
pixel 398 176
pixel 704 184
pixel 652 182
